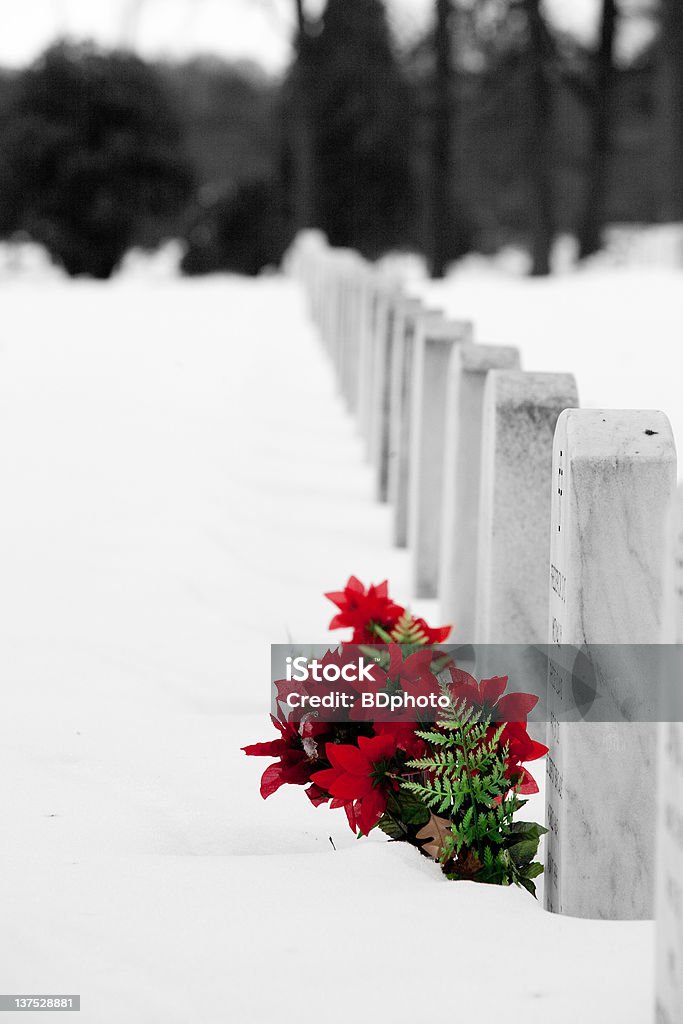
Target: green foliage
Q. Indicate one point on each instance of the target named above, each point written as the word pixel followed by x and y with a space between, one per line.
pixel 405 813
pixel 407 631
pixel 463 778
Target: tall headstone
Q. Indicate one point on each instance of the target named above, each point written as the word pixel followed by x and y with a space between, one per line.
pixel 366 298
pixel 400 404
pixel 347 338
pixel 520 414
pixel 669 948
pixel 669 905
pixel 434 346
pixel 330 304
pixel 408 311
pixel 461 475
pixel 613 480
pixel 398 308
pixel 380 370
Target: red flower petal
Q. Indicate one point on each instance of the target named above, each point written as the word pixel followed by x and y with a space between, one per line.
pixel 325 777
pixel 350 815
pixel 490 690
pixel 272 748
pixel 377 748
pixel 271 780
pixel 350 787
pixel 395 661
pixel 316 795
pixel 515 707
pixel 351 760
pixel 372 807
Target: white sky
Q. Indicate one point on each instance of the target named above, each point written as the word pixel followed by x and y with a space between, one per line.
pixel 253 29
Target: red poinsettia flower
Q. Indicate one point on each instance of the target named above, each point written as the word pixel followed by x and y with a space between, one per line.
pixel 413 675
pixel 358 777
pixel 360 609
pixel 489 696
pixel 511 708
pixel 404 736
pixel 297 753
pixel 434 634
pixel 521 749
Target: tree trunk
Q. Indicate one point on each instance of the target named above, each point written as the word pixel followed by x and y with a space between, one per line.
pixel 302 137
pixel 540 155
pixel 669 141
pixel 593 219
pixel 442 170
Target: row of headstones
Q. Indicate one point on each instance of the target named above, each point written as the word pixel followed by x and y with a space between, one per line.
pixel 513 501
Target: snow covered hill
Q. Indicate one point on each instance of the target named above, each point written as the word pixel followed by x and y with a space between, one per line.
pixel 179 484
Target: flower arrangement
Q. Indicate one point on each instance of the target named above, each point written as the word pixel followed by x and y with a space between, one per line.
pixel 448 781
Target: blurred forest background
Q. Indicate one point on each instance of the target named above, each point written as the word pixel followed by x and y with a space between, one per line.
pixel 492 128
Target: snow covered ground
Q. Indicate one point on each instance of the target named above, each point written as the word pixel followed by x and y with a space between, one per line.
pixel 179 485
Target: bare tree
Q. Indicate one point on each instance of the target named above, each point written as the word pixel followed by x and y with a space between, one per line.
pixel 303 207
pixel 670 111
pixel 442 159
pixel 450 226
pixel 540 154
pixel 600 101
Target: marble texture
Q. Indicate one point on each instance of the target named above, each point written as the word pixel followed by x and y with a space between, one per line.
pixel 365 298
pixel 673 570
pixel 520 413
pixel 346 328
pixel 400 404
pixel 429 396
pixel 401 314
pixel 380 342
pixel 669 943
pixel 407 310
pixel 468 370
pixel 614 476
pixel 669 884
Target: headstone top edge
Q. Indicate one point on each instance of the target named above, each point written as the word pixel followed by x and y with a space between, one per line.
pixel 517 387
pixel 408 304
pixel 599 434
pixel 446 331
pixel 482 358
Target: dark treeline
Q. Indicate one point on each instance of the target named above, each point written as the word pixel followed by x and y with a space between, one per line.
pixel 492 129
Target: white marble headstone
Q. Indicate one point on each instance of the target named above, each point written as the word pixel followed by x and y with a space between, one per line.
pixel 461 475
pixel 400 405
pixel 406 312
pixel 401 313
pixel 669 906
pixel 429 395
pixel 669 947
pixel 347 341
pixel 365 353
pixel 613 479
pixel 382 325
pixel 356 275
pixel 520 413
